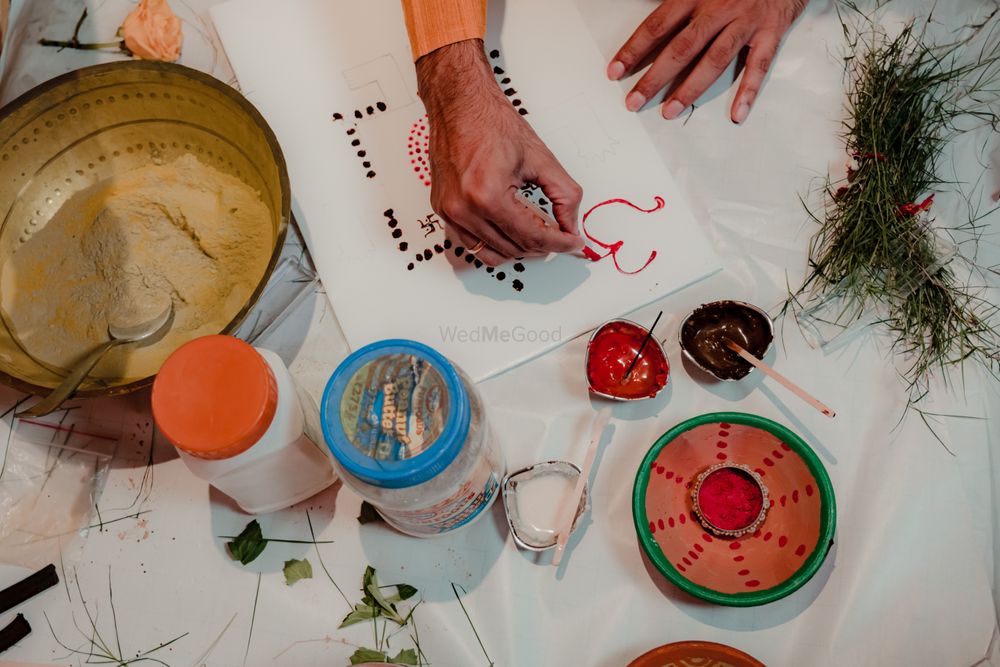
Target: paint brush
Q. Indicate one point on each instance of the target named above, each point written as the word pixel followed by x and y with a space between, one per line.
pixel 642 347
pixel 567 514
pixel 788 384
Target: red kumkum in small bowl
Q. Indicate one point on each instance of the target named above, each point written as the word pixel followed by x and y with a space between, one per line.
pixel 730 500
pixel 611 351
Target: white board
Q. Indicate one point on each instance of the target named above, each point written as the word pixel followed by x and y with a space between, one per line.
pixel 336 82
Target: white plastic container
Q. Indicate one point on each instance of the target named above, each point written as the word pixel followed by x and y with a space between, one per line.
pixel 409 434
pixel 235 417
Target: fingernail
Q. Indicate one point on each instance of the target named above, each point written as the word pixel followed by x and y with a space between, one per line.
pixel 672 109
pixel 741 113
pixel 616 70
pixel 635 100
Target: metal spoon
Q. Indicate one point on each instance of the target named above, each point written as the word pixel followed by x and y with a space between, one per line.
pixel 121 332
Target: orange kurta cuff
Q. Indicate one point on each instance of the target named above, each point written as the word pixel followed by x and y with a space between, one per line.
pixel 436 23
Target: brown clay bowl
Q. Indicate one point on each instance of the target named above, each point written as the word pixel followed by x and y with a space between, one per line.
pixel 761 567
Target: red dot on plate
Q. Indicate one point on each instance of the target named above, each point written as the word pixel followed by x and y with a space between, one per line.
pixel 660 524
pixel 759 471
pixel 734 545
pixel 659 468
pixel 670 522
pixel 785 446
pixel 668 474
pixel 768 462
pixel 784 500
pixel 724 425
pixel 699 548
pixel 753 583
pixel 795 496
pixel 721 445
pixel 738 559
pixel 680 480
pixel 693 555
pixel 782 541
pixel 767 536
pixel 686 561
pixel 721 456
pixel 681 567
pixel 683 519
pixel 723 434
pixel 809 489
pixel 652 527
pixel 707 537
pixel 778 455
pixel 801 550
pixel 743 573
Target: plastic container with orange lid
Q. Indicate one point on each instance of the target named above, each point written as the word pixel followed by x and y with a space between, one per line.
pixel 236 418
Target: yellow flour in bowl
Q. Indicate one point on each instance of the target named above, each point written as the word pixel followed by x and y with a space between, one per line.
pixel 185 229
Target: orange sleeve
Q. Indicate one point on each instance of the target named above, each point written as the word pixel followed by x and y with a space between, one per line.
pixel 436 23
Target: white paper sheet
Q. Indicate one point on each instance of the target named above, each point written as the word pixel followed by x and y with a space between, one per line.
pixel 361 183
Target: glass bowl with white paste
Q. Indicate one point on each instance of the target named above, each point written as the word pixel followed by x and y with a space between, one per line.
pixel 120 183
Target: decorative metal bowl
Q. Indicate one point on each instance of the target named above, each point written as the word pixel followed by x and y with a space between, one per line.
pixel 89 125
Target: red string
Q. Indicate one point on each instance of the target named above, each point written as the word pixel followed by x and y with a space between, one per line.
pixel 613 248
pixel 911 209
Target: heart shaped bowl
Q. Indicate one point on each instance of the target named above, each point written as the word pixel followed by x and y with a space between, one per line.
pixel 776 559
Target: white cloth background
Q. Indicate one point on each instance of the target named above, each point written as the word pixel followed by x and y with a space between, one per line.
pixel 911 580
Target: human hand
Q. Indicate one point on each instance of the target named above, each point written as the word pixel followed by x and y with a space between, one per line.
pixel 481 152
pixel 708 34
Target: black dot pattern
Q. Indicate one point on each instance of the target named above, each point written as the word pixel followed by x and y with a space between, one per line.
pixel 504 80
pixel 352 133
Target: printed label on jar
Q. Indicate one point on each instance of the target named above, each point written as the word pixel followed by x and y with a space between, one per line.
pixel 394 407
pixel 455 511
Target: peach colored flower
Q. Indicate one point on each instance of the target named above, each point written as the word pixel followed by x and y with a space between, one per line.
pixel 153 32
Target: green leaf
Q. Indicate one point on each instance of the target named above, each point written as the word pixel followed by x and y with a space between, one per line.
pixel 361 613
pixel 403 592
pixel 249 544
pixel 369 514
pixel 296 570
pixel 406 657
pixel 363 655
pixel 371 587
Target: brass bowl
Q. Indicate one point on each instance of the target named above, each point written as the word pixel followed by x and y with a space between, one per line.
pixel 87 126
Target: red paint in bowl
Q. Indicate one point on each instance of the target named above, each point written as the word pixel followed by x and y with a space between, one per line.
pixel 611 351
pixel 729 498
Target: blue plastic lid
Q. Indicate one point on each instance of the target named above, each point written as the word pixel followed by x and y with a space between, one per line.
pixel 395 413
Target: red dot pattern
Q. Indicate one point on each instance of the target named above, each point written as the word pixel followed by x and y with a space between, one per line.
pixel 417 147
pixel 698 553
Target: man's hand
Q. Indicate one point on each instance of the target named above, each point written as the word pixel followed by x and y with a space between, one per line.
pixel 481 152
pixel 708 34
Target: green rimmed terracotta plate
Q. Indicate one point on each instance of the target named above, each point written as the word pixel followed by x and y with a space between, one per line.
pixel 755 569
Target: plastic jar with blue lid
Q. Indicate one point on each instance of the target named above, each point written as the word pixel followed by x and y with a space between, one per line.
pixel 408 434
